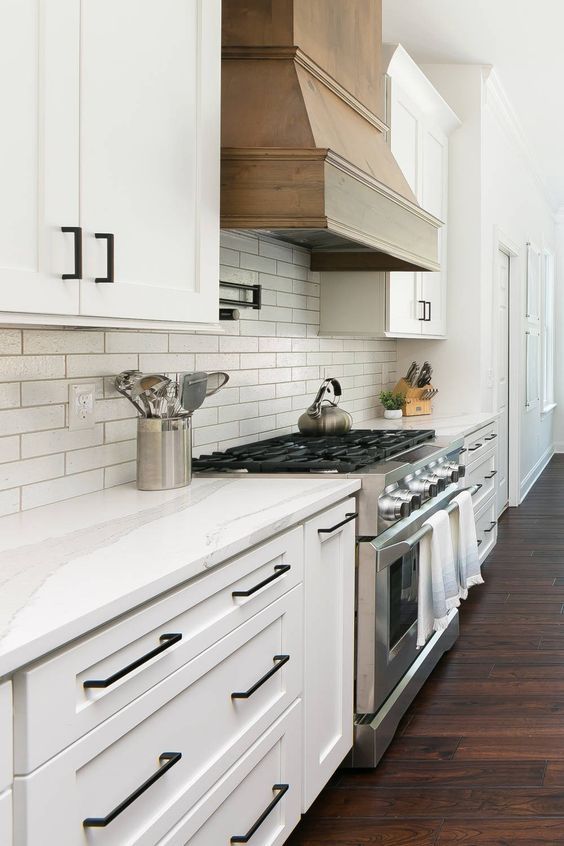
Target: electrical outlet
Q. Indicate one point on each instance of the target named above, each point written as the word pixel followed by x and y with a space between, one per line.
pixel 81 406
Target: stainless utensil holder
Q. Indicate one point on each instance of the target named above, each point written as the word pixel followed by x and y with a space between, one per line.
pixel 164 453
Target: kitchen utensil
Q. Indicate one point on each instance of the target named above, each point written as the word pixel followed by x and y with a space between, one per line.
pixel 216 380
pixel 164 453
pixel 411 375
pixel 425 375
pixel 323 417
pixel 193 389
pixel 123 384
pixel 149 390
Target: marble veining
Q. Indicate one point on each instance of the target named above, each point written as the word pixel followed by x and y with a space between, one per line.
pixel 69 567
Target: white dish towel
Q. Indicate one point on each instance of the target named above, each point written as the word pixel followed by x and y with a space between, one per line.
pixel 464 543
pixel 439 589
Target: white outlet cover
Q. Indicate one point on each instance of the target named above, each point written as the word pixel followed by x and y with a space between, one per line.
pixel 82 398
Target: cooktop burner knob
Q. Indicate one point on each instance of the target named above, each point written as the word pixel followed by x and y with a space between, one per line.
pixel 397 504
pixel 427 486
pixel 449 471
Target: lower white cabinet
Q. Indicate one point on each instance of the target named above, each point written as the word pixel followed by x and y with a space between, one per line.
pixel 259 798
pixel 486 529
pixel 6 742
pixel 6 818
pixel 329 644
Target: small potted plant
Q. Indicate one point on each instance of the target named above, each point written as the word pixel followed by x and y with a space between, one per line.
pixel 393 404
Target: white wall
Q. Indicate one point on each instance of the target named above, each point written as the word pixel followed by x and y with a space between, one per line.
pixel 493 186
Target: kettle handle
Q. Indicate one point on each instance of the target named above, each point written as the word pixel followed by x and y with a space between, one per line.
pixel 314 409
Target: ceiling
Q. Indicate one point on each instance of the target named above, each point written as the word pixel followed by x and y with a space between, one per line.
pixel 522 40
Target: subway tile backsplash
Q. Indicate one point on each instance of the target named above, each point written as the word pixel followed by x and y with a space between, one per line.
pixel 275 359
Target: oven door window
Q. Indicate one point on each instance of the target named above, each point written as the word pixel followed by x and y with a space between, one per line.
pixel 403 575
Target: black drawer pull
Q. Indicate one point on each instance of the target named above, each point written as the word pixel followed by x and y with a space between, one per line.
pixel 476 446
pixel 279 661
pixel 462 451
pixel 77 232
pixel 348 518
pixel 492 527
pixel 478 486
pixel 110 257
pixel 492 474
pixel 424 302
pixel 479 542
pixel 280 569
pixel 490 437
pixel 167 640
pixel 280 790
pixel 429 304
pixel 171 759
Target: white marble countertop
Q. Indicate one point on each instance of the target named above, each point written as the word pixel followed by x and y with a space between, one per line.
pixel 454 426
pixel 71 566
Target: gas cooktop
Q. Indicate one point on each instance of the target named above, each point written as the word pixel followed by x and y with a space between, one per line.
pixel 307 454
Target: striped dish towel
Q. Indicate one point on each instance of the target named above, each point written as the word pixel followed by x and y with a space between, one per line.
pixel 439 589
pixel 464 543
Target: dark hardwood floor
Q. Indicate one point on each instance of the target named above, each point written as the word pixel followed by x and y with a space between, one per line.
pixel 479 757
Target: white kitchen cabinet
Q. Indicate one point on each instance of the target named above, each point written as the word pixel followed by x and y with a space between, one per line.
pixel 116 113
pixel 329 645
pixel 420 123
pixel 6 818
pixel 6 739
pixel 39 77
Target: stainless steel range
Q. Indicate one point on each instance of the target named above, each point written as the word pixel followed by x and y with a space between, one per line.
pixel 406 476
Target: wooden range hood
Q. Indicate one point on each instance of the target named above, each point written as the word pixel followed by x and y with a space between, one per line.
pixel 304 152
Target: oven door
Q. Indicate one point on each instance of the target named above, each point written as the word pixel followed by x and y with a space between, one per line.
pixel 387 589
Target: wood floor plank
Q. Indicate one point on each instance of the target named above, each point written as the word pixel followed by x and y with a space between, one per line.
pixel 448 773
pixel 503 833
pixel 414 748
pixel 422 724
pixel 522 748
pixel 347 832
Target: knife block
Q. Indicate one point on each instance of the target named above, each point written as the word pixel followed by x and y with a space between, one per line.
pixel 414 406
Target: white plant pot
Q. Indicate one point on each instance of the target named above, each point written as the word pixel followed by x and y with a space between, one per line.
pixel 393 414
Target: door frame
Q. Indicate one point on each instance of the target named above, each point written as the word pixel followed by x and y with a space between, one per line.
pixel 503 243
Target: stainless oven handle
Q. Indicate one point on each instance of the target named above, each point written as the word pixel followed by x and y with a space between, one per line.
pixel 386 556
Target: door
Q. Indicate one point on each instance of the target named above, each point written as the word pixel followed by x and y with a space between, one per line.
pixel 434 199
pixel 405 307
pixel 504 274
pixel 149 147
pixel 39 70
pixel 329 644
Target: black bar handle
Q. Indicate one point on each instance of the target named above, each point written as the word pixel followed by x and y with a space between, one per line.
pixel 171 759
pixel 279 661
pixel 110 256
pixel 479 542
pixel 348 518
pixel 478 486
pixel 423 302
pixel 280 569
pixel 428 302
pixel 77 232
pixel 167 640
pixel 492 474
pixel 490 437
pixel 492 527
pixel 476 446
pixel 280 790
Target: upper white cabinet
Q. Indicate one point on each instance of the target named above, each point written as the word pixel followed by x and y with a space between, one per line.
pixel 114 110
pixel 420 123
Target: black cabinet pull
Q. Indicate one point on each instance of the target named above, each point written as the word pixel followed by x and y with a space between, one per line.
pixel 479 542
pixel 167 640
pixel 171 759
pixel 492 527
pixel 110 256
pixel 422 302
pixel 77 232
pixel 348 518
pixel 279 661
pixel 478 486
pixel 280 790
pixel 490 437
pixel 428 302
pixel 476 446
pixel 280 569
pixel 492 474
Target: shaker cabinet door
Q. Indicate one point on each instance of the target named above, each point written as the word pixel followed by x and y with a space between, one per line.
pixel 39 74
pixel 329 644
pixel 149 169
pixel 434 199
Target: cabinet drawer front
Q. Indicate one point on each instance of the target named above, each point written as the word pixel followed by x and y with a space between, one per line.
pixel 6 756
pixel 240 799
pixel 6 818
pixel 478 443
pixel 192 713
pixel 52 692
pixel 483 472
pixel 486 529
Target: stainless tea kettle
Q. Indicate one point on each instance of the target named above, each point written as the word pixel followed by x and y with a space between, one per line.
pixel 323 417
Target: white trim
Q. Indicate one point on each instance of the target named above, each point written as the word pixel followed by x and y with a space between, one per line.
pixel 548 409
pixel 503 243
pixel 558 447
pixel 535 472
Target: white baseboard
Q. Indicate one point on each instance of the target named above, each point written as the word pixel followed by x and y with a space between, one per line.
pixel 559 447
pixel 535 472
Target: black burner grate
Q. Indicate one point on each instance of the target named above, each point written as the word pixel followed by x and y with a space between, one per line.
pixel 306 454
